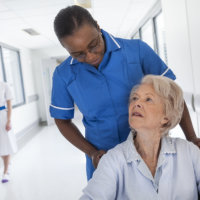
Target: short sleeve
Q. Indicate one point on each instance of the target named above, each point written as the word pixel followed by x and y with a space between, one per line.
pixel 152 63
pixel 195 155
pixel 62 104
pixel 8 92
pixel 103 184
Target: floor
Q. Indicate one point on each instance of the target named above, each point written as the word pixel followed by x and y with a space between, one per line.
pixel 46 168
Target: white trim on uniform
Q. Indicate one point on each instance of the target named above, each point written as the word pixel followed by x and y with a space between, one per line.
pixel 114 41
pixel 62 108
pixel 71 61
pixel 165 72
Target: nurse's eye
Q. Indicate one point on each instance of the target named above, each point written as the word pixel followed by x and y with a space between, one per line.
pixel 78 55
pixel 94 45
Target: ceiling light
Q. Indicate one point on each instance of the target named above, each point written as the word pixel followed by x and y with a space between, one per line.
pixel 31 31
pixel 83 3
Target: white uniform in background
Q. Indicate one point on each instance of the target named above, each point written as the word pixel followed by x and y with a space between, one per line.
pixel 8 144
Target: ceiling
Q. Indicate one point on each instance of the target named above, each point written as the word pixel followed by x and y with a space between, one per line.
pixel 119 17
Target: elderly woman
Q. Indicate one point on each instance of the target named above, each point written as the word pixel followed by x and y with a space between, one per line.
pixel 149 164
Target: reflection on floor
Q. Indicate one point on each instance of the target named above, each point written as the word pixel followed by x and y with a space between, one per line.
pixel 46 168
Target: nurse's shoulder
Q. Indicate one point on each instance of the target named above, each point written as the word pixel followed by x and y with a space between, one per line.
pixel 131 49
pixel 129 43
pixel 132 44
pixel 65 71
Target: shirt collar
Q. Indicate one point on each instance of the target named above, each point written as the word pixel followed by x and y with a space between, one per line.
pixel 131 154
pixel 111 45
pixel 73 61
pixel 167 145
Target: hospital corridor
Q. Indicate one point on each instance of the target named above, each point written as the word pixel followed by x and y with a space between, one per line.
pixel 47 167
pixel 71 73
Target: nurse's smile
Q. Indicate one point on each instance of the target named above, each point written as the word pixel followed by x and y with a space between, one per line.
pixel 86 45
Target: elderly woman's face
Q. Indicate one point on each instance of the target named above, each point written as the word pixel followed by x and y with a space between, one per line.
pixel 146 109
pixel 86 45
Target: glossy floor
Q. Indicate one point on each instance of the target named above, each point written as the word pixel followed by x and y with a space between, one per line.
pixel 46 168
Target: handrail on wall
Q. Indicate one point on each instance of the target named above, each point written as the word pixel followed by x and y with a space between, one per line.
pixel 192 101
pixel 189 100
pixel 197 103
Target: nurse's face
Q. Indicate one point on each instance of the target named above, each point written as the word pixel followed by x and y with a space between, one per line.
pixel 86 45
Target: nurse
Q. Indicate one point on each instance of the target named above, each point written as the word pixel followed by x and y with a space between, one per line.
pixel 8 144
pixel 98 77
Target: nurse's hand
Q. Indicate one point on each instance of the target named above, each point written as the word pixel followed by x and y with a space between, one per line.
pixel 8 126
pixel 96 156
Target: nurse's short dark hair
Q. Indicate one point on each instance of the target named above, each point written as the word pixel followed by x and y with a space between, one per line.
pixel 70 19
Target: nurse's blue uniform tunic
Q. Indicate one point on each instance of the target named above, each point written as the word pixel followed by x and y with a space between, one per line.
pixel 102 94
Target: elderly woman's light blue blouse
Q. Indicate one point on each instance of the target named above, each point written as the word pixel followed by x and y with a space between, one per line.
pixel 123 175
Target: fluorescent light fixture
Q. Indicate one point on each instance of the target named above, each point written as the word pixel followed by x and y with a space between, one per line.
pixel 83 3
pixel 31 31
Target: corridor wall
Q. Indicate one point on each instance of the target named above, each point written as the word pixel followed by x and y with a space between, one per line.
pixel 183 46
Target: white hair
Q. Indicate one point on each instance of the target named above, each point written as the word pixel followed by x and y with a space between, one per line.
pixel 172 97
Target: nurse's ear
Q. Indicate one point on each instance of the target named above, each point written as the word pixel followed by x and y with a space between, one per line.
pixel 98 27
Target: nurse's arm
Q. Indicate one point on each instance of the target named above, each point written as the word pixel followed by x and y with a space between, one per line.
pixel 74 136
pixel 186 125
pixel 9 111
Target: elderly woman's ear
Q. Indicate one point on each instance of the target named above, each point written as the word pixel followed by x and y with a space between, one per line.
pixel 165 122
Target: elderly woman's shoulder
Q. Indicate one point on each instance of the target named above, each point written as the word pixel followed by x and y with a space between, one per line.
pixel 118 153
pixel 182 145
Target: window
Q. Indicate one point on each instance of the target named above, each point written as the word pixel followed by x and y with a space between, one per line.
pixel 137 35
pixel 153 33
pixel 11 73
pixel 147 33
pixel 1 68
pixel 160 33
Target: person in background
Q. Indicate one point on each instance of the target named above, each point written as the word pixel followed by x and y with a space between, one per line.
pixel 8 144
pixel 149 164
pixel 98 77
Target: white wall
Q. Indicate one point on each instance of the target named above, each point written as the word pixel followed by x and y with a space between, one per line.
pixel 39 57
pixel 26 115
pixel 52 51
pixel 177 38
pixel 182 45
pixel 193 8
